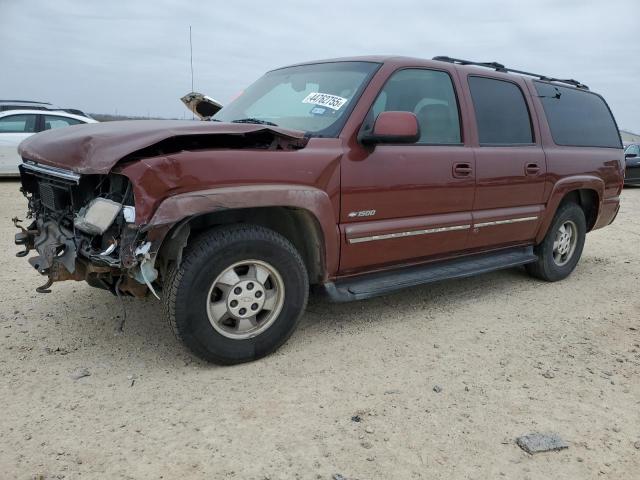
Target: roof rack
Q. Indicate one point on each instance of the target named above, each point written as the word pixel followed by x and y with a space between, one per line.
pixel 498 67
pixel 25 101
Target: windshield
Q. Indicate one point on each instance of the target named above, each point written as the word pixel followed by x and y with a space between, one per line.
pixel 313 98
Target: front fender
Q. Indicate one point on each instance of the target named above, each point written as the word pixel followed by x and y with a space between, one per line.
pixel 178 207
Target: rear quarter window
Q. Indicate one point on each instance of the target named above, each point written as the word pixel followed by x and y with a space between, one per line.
pixel 578 118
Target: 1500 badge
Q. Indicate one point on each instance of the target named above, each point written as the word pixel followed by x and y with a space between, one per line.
pixel 362 213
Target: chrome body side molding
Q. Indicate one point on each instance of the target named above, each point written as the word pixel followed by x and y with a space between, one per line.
pixel 412 233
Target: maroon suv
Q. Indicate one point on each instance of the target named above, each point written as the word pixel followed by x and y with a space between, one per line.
pixel 359 176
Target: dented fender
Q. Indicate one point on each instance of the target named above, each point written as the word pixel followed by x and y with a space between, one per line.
pixel 174 209
pixel 171 188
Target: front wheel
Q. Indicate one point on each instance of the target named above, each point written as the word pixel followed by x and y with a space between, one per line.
pixel 560 251
pixel 237 295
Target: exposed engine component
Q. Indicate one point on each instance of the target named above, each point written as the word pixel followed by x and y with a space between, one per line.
pixel 83 229
pixel 97 216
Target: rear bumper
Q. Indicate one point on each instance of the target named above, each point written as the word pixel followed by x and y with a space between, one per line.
pixel 608 212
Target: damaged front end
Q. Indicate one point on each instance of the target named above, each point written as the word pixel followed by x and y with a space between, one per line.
pixel 83 228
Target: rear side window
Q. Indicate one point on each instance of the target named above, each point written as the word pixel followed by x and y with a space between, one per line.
pixel 18 124
pixel 578 118
pixel 502 115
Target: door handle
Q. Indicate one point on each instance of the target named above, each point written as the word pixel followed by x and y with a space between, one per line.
pixel 531 169
pixel 462 170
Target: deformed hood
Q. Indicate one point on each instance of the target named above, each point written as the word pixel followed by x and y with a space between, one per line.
pixel 97 147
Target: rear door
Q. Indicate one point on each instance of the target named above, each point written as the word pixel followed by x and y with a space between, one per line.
pixel 14 129
pixel 405 203
pixel 510 164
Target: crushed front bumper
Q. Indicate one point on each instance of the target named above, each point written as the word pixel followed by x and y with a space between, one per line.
pixel 116 257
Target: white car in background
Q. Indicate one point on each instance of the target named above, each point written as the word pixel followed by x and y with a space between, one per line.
pixel 16 125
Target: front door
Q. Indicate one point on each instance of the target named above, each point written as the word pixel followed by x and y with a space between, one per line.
pixel 407 203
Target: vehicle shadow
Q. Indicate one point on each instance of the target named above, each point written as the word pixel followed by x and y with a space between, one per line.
pixel 92 316
pixel 88 319
pixel 451 294
pixel 147 334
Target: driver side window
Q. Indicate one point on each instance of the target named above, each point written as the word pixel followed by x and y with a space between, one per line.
pixel 429 94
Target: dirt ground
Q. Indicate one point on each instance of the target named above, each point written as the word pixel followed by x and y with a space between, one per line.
pixel 511 356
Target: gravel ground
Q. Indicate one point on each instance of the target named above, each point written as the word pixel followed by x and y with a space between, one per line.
pixel 442 378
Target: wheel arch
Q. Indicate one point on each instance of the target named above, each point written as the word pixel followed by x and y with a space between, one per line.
pixel 302 215
pixel 589 200
pixel 586 191
pixel 298 226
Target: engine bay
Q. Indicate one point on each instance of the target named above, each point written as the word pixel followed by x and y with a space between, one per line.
pixel 83 228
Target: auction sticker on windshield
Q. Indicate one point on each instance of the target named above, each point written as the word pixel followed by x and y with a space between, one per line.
pixel 326 100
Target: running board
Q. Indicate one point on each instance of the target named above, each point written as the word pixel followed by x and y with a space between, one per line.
pixel 380 283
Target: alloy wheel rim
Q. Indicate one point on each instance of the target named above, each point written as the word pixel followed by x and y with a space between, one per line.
pixel 564 244
pixel 245 299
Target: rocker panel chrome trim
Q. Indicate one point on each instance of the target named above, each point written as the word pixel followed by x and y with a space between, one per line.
pixel 411 233
pixel 504 222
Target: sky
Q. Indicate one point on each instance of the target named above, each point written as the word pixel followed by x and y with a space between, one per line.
pixel 131 57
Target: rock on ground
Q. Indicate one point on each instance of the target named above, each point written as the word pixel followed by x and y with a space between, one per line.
pixel 541 442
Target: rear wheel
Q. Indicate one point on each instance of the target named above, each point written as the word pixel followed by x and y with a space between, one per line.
pixel 237 295
pixel 560 251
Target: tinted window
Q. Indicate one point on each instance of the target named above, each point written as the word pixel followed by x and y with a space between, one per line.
pixel 502 115
pixel 430 96
pixel 578 118
pixel 18 124
pixel 54 121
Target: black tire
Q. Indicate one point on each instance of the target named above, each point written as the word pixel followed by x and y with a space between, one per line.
pixel 187 289
pixel 546 267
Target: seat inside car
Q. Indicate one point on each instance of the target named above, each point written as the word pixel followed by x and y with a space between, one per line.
pixel 436 124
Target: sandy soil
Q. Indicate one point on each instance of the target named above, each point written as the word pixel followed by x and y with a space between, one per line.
pixel 512 356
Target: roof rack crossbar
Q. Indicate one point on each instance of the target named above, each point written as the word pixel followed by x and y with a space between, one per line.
pixel 25 101
pixel 498 67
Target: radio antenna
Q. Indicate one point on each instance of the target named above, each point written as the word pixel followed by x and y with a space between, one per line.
pixel 191 56
pixel 193 117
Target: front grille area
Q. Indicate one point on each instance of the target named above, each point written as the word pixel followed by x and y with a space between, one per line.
pixel 52 196
pixel 57 193
pixel 52 191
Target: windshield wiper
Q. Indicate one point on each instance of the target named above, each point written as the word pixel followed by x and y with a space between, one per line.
pixel 254 120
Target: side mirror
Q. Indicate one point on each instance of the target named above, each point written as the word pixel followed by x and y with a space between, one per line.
pixel 630 155
pixel 393 127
